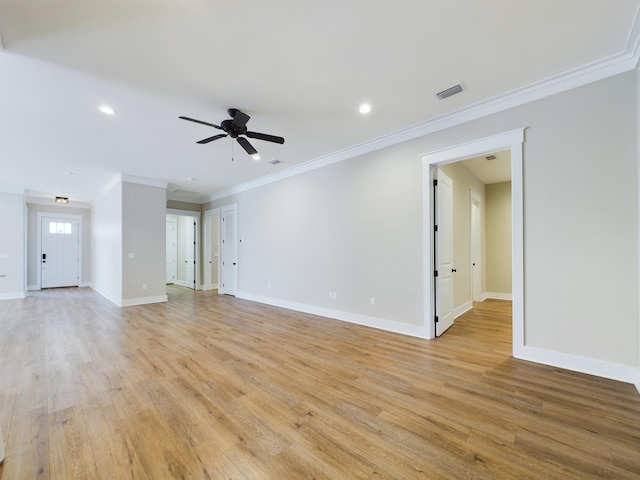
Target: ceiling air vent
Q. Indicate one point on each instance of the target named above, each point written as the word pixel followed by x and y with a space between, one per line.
pixel 490 157
pixel 449 91
pixel 275 161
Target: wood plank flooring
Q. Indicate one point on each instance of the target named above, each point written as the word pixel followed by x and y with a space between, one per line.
pixel 213 387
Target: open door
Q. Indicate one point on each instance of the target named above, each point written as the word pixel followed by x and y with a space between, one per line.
pixel 443 251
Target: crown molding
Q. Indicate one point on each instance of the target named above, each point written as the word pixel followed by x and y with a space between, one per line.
pixel 622 62
pixel 149 182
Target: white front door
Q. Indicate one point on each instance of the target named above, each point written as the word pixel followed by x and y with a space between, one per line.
pixel 229 236
pixel 172 250
pixel 443 214
pixel 60 258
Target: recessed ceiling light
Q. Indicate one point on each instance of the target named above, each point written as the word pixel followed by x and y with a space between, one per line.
pixel 365 108
pixel 255 156
pixel 107 110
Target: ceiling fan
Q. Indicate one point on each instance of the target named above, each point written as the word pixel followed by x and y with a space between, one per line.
pixel 236 127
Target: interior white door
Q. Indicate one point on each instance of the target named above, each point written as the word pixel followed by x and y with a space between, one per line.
pixel 476 251
pixel 229 280
pixel 190 254
pixel 214 248
pixel 60 252
pixel 172 250
pixel 443 215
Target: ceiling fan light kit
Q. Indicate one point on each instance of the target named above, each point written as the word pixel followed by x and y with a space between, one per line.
pixel 236 127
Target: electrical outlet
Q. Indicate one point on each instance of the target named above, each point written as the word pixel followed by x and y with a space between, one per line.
pixel 144 286
pixel 373 301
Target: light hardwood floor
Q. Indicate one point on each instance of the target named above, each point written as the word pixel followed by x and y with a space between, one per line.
pixel 213 387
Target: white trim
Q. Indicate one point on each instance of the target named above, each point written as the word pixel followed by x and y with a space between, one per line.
pixel 496 296
pixel 209 287
pixel 149 182
pixel 33 288
pixel 115 180
pixel 462 309
pixel 616 64
pixel 511 140
pixel 115 299
pixel 39 217
pixel 130 302
pixel 12 295
pixel 365 320
pixel 636 381
pixel 591 366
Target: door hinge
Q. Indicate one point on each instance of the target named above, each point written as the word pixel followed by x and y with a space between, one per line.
pixel 435 182
pixel 435 273
pixel 436 319
pixel 435 228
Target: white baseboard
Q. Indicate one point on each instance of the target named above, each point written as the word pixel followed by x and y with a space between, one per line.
pixel 130 302
pixel 12 295
pixel 368 321
pixel 496 296
pixel 108 295
pixel 208 287
pixel 464 308
pixel 33 288
pixel 591 366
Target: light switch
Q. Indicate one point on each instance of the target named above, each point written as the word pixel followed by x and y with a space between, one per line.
pixel 132 255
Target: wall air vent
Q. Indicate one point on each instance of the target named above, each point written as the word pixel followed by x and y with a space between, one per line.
pixel 449 91
pixel 275 161
pixel 490 157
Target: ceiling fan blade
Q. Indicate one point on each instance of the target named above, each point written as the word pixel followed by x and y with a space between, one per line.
pixel 200 121
pixel 240 119
pixel 211 139
pixel 247 146
pixel 264 136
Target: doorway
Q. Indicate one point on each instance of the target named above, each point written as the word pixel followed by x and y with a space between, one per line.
pixel 59 250
pixel 511 141
pixel 184 247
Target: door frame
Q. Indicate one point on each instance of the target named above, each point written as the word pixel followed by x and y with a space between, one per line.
pixel 196 219
pixel 512 140
pixel 208 285
pixel 66 216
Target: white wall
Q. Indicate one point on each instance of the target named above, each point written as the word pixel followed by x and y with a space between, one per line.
pixel 144 236
pixel 498 243
pixel 355 227
pixel 12 245
pixel 106 243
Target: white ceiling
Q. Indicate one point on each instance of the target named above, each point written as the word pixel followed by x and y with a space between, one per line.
pixel 496 170
pixel 299 68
